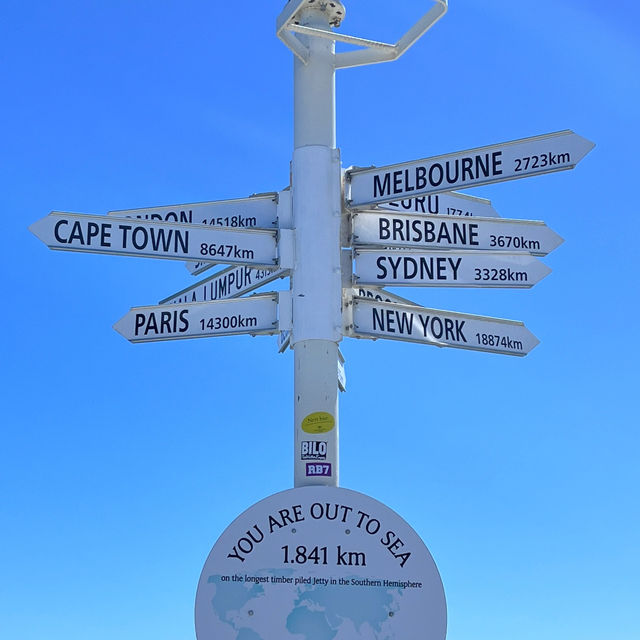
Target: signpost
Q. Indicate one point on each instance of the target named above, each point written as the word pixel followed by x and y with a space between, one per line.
pixel 484 165
pixel 150 239
pixel 255 315
pixel 448 269
pixel 439 328
pixel 437 232
pixel 318 560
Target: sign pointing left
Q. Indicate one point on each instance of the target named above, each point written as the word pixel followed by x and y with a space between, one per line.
pixel 254 315
pixel 150 239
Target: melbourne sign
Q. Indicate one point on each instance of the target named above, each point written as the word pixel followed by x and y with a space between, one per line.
pixel 484 165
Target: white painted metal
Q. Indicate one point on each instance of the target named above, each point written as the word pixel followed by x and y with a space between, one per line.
pixel 284 210
pixel 316 278
pixel 338 37
pixel 151 239
pixel 254 315
pixel 285 313
pixel 285 320
pixel 438 232
pixel 286 248
pixel 439 328
pixel 290 21
pixel 342 375
pixel 231 282
pixel 448 269
pixel 293 13
pixel 484 165
pixel 375 54
pixel 317 203
pixel 449 204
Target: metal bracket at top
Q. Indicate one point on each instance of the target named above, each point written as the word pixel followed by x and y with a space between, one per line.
pixel 289 18
pixel 373 51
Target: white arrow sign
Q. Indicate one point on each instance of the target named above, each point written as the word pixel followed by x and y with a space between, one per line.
pixel 228 283
pixel 438 232
pixel 439 328
pixel 256 212
pixel 448 204
pixel 448 269
pixel 484 165
pixel 146 238
pixel 254 315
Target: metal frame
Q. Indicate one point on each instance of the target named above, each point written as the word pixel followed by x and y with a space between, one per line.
pixel 373 52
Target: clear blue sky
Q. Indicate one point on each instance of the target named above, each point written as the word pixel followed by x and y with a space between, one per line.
pixel 121 464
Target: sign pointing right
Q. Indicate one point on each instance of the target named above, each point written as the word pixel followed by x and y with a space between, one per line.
pixel 447 269
pixel 484 165
pixel 372 319
pixel 378 228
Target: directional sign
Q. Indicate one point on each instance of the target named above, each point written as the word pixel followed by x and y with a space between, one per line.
pixel 484 165
pixel 256 212
pixel 448 269
pixel 440 328
pixel 448 204
pixel 438 232
pixel 146 238
pixel 254 315
pixel 228 283
pixel 263 211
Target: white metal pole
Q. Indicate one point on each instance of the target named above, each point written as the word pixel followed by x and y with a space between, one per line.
pixel 316 280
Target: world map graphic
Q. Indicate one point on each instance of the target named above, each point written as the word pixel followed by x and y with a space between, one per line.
pixel 304 611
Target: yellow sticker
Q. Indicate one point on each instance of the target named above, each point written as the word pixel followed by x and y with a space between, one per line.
pixel 318 422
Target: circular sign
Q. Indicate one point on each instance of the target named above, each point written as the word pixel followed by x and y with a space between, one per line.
pixel 320 562
pixel 318 422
